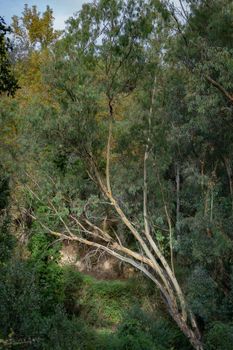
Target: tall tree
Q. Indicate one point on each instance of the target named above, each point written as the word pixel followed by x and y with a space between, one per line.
pixel 108 41
pixel 34 30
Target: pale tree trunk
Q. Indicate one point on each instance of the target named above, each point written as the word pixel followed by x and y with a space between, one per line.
pixel 178 200
pixel 227 164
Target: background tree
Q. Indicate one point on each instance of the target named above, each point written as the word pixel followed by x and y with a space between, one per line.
pixel 8 81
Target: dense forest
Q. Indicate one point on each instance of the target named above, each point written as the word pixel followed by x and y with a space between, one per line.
pixel 116 154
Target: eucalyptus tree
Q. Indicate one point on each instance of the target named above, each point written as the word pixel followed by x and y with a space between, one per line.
pixel 95 74
pixel 197 88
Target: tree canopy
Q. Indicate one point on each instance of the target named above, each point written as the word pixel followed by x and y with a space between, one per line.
pixel 8 81
pixel 119 142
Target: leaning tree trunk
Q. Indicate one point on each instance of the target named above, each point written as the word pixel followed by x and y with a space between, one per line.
pixel 151 261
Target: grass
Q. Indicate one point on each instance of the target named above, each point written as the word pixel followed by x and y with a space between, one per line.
pixel 105 302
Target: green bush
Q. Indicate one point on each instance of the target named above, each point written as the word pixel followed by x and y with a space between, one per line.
pixel 220 336
pixel 23 315
pixel 7 241
pixel 44 261
pixel 72 284
pixel 203 294
pixel 19 301
pixel 62 333
pixel 140 331
pixel 104 302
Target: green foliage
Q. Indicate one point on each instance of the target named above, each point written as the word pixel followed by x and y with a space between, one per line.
pixel 8 82
pixel 30 315
pixel 105 302
pixel 55 284
pixel 62 333
pixel 7 240
pixel 20 301
pixel 141 331
pixel 203 295
pixel 72 283
pixel 104 67
pixel 4 189
pixel 219 336
pixel 34 29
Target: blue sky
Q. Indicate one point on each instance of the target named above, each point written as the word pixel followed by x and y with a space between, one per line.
pixel 62 9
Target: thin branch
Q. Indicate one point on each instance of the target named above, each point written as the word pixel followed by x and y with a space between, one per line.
pixel 109 149
pixel 85 230
pixel 170 237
